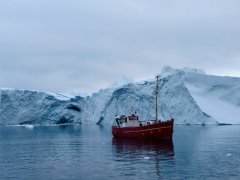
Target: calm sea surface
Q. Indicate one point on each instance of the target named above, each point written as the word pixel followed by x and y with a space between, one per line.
pixel 89 152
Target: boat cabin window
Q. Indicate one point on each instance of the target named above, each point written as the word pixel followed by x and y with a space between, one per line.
pixel 133 118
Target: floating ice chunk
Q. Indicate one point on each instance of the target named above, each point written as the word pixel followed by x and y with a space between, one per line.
pixel 29 126
pixel 146 157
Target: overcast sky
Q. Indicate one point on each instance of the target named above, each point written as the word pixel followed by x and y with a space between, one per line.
pixel 83 45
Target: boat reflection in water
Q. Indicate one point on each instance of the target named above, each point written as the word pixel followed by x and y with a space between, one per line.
pixel 126 146
pixel 136 156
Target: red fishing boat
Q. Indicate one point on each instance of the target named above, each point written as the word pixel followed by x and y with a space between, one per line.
pixel 131 127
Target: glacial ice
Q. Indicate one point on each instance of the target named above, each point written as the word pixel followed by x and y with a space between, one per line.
pixel 190 96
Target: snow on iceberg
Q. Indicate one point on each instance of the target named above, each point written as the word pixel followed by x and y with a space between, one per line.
pixel 121 81
pixel 217 96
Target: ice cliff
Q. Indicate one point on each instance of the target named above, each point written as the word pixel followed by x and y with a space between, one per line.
pixel 190 96
pixel 33 107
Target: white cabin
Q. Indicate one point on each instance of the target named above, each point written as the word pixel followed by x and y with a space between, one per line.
pixel 129 121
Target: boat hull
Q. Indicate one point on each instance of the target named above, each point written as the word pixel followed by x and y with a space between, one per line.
pixel 162 130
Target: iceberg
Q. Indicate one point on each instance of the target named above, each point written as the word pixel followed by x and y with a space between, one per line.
pixel 190 96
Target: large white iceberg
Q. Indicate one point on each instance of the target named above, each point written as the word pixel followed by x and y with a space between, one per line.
pixel 190 96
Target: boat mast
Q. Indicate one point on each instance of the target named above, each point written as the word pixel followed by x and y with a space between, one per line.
pixel 157 91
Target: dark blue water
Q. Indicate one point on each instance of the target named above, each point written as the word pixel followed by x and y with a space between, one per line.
pixel 89 152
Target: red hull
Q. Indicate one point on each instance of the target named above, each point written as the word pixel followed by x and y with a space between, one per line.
pixel 163 130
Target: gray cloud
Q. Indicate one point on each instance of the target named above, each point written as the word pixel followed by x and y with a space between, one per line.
pixel 62 45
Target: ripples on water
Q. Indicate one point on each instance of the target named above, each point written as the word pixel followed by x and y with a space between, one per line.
pixel 89 152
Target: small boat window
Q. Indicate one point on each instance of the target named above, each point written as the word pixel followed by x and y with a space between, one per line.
pixel 133 118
